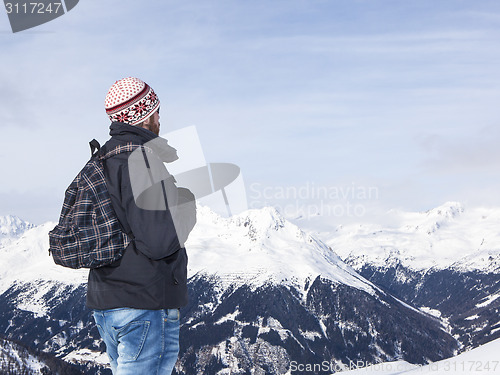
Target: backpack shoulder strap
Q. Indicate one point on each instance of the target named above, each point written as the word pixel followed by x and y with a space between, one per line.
pixel 128 147
pixel 94 147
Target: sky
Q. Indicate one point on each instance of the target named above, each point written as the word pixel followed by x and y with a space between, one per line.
pixel 345 107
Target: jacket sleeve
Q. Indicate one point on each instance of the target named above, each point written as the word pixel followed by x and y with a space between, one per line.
pixel 184 214
pixel 146 203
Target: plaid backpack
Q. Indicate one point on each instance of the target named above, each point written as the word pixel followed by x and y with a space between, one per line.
pixel 89 234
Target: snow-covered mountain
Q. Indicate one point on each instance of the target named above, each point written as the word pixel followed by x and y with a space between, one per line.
pixel 266 292
pixel 11 227
pixel 446 237
pixel 251 249
pixel 16 359
pixel 263 293
pixel 445 261
pixel 21 359
pixel 25 259
pixel 259 247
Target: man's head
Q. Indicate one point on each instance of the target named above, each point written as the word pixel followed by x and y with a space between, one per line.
pixel 133 102
pixel 152 123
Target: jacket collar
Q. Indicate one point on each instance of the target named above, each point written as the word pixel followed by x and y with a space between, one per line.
pixel 130 133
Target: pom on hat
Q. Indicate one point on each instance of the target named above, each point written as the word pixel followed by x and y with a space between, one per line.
pixel 131 101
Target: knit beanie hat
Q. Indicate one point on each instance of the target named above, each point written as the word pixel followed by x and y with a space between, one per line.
pixel 131 101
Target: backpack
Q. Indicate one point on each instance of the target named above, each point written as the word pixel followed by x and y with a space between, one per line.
pixel 89 234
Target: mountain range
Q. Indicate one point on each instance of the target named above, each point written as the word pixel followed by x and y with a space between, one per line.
pixel 446 261
pixel 267 296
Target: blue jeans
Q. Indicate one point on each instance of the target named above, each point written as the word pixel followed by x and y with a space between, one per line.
pixel 140 341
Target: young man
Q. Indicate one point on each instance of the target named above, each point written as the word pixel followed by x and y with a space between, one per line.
pixel 136 300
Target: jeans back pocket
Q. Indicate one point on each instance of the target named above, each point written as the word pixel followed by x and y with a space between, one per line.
pixel 131 338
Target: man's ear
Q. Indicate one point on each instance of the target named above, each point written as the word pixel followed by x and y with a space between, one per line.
pixel 145 124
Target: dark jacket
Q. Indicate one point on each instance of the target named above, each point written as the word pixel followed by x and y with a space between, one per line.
pixel 152 274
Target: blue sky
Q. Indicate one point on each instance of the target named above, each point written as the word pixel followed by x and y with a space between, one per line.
pixel 398 95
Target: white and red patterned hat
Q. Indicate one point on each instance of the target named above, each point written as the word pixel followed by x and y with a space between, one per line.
pixel 131 101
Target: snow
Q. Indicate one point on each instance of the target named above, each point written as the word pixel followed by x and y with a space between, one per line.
pixel 259 246
pixel 472 317
pixel 493 331
pixel 255 248
pixel 26 259
pixel 310 335
pixel 433 312
pixel 449 236
pixel 11 227
pixel 484 359
pixel 86 355
pixel 229 317
pixel 24 360
pixel 487 300
pixel 385 368
pixel 32 300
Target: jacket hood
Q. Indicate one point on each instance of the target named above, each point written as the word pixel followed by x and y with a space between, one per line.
pixel 130 133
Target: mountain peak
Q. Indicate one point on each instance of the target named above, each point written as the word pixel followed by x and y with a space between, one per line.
pixel 260 246
pixel 261 221
pixel 12 226
pixel 256 223
pixel 441 216
pixel 448 236
pixel 447 210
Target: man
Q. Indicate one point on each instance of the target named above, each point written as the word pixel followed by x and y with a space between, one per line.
pixel 136 300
